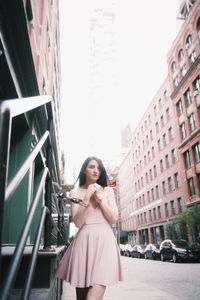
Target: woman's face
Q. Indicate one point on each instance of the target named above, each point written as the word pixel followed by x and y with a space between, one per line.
pixel 92 171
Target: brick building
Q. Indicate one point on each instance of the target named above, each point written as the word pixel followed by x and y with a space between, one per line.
pixel 162 166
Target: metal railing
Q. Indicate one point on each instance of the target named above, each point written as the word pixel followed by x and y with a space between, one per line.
pixel 8 110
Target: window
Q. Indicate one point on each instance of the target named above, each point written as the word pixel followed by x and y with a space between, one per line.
pixel 179 205
pixel 167 114
pixel 151 135
pixel 164 187
pixel 161 166
pixel 179 108
pixel 143 199
pixel 164 140
pixel 150 174
pixel 145 217
pixel 149 119
pixel 147 140
pixel 148 196
pixel 150 215
pixel 166 210
pixel 172 207
pixel 167 161
pixel 160 103
pixel 180 55
pixel 162 121
pixel 187 98
pixel 155 171
pixel 154 213
pixel 170 134
pixel 176 81
pixel 173 156
pixel 183 131
pixel 192 57
pixel 147 178
pixel 183 70
pixel 173 67
pixel 157 128
pixel 198 179
pixel 159 212
pixel 192 122
pixel 152 152
pixel 143 144
pixel 145 160
pixel 149 156
pixel 157 192
pixel 152 194
pixel 186 156
pixel 176 181
pixel 191 186
pixel 142 182
pixel 169 180
pixel 189 41
pixel 196 152
pixel 155 110
pixel 159 145
pixel 196 86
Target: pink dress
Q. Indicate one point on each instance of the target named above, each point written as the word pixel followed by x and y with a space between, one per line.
pixel 93 257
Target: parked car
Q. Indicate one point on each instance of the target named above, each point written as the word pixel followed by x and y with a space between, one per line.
pixel 178 250
pixel 138 251
pixel 127 250
pixel 122 248
pixel 152 251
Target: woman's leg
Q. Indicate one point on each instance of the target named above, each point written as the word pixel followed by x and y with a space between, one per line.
pixel 81 293
pixel 96 292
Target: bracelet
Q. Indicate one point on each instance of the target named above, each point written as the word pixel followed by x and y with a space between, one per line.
pixel 98 200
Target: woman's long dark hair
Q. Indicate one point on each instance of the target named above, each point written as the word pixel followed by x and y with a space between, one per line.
pixel 103 178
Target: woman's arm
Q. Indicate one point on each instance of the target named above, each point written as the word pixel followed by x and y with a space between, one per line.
pixel 109 207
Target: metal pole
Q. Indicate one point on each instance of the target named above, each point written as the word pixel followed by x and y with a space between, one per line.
pixel 5 132
pixel 48 192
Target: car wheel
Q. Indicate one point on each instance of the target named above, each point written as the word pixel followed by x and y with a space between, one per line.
pixel 162 257
pixel 174 258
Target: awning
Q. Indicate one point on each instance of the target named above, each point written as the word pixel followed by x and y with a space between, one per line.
pixel 123 233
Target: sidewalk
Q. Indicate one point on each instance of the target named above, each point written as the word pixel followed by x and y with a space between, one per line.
pixel 126 290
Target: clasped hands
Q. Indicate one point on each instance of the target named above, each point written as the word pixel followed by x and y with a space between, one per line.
pixel 95 191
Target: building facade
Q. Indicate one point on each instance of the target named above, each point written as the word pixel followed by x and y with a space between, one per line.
pixel 29 150
pixel 164 156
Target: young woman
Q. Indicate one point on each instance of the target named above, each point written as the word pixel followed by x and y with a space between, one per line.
pixel 92 261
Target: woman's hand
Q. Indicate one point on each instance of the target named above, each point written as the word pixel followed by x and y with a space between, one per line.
pixel 93 189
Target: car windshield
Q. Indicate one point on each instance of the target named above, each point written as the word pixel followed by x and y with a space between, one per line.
pixel 181 244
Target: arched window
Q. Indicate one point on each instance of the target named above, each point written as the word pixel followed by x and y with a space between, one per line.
pixel 198 26
pixel 180 55
pixel 189 41
pixel 173 67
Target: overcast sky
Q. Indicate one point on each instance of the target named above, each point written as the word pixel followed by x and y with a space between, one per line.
pixel 144 32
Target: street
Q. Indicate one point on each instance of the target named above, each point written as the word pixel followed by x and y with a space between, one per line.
pixel 152 280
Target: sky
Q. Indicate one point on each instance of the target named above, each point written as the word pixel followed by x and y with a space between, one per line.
pixel 143 34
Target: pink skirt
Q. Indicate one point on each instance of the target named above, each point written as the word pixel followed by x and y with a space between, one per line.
pixel 92 258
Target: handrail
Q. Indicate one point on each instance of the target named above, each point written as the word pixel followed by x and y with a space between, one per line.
pixel 34 255
pixel 5 122
pixel 9 109
pixel 24 168
pixel 17 256
pixel 21 106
